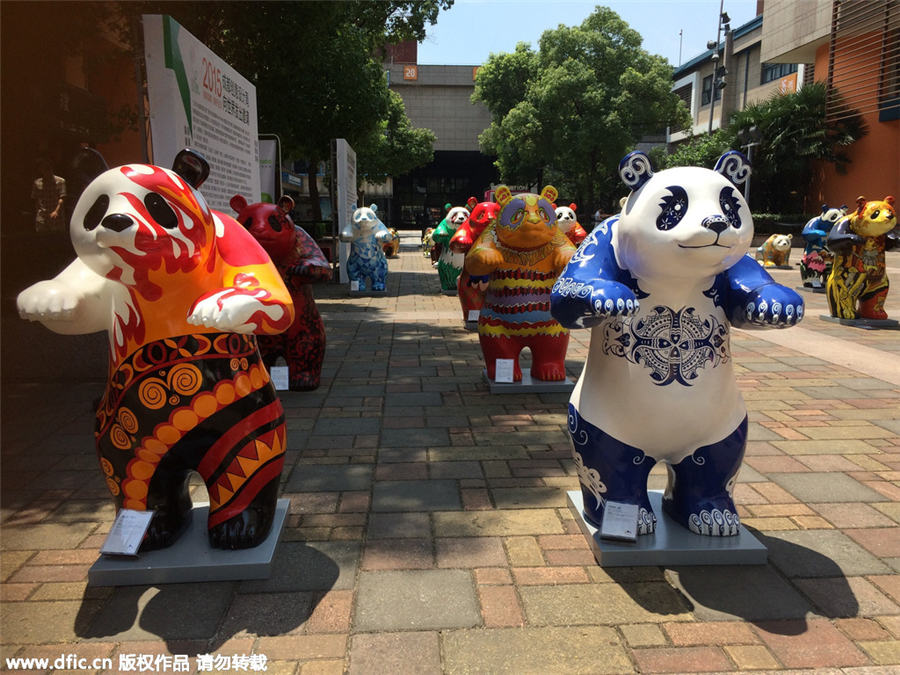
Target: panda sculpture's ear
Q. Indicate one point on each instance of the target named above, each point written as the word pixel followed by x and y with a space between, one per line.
pixel 471 202
pixel 286 204
pixel 238 203
pixel 374 208
pixel 192 166
pixel 550 193
pixel 502 194
pixel 734 166
pixel 635 169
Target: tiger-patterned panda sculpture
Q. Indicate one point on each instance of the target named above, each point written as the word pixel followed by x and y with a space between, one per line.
pixel 181 290
pixel 659 285
pixel 301 263
pixel 858 285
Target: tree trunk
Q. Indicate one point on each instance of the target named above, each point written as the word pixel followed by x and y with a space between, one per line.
pixel 313 183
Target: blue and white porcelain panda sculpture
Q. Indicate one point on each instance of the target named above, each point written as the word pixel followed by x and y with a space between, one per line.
pixel 659 284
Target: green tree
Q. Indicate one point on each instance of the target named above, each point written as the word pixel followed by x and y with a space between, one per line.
pixel 700 150
pixel 395 146
pixel 793 135
pixel 314 64
pixel 570 112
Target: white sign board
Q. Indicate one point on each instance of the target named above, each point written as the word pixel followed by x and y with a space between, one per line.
pixel 127 532
pixel 345 179
pixel 269 169
pixel 280 377
pixel 503 370
pixel 199 101
pixel 619 521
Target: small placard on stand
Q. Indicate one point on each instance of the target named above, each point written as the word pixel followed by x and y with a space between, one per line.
pixel 354 286
pixel 503 370
pixel 280 377
pixel 473 315
pixel 127 532
pixel 619 521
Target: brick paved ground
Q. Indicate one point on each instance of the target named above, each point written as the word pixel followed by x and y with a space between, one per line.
pixel 428 530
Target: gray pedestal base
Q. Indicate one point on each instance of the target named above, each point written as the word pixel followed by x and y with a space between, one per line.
pixel 190 558
pixel 529 385
pixel 445 291
pixel 471 325
pixel 671 545
pixel 811 289
pixel 869 324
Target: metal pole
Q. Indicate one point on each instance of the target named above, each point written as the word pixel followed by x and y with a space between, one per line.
pixel 712 103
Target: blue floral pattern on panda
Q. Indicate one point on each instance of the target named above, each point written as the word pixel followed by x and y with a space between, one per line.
pixel 610 470
pixel 673 345
pixel 700 489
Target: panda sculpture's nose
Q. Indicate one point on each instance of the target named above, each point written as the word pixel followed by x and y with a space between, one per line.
pixel 716 223
pixel 117 222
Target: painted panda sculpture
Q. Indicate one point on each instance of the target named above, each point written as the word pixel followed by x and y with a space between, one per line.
pixel 659 285
pixel 301 263
pixel 366 263
pixel 181 290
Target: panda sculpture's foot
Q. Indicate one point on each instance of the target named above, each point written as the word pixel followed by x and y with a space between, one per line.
pixel 610 471
pixel 712 517
pixel 249 527
pixel 550 372
pixel 304 383
pixel 166 526
pixel 698 495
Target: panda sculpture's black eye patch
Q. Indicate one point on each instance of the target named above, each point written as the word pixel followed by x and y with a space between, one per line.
pixel 274 223
pixel 95 214
pixel 673 206
pixel 731 206
pixel 160 211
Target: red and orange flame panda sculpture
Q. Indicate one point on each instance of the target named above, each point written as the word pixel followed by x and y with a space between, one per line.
pixel 181 290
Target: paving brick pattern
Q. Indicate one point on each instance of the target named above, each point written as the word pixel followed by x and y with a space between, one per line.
pixel 428 530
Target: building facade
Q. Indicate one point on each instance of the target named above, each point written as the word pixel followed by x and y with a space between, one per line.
pixel 855 48
pixel 438 98
pixel 749 78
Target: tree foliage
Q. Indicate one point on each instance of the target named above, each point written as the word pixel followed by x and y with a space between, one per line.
pixel 793 134
pixel 573 109
pixel 315 64
pixel 395 147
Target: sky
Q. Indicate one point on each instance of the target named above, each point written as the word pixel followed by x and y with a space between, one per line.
pixel 471 30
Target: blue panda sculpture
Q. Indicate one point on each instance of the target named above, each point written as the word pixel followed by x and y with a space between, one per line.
pixel 659 284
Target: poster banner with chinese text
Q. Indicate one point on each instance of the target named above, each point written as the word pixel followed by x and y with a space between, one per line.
pixel 199 101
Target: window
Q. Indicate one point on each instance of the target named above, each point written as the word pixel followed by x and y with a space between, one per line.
pixel 775 71
pixel 685 93
pixel 864 60
pixel 706 91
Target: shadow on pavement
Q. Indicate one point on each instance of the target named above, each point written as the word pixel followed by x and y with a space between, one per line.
pixel 194 618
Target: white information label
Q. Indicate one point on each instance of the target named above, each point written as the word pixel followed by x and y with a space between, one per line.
pixel 280 379
pixel 354 286
pixel 504 370
pixel 619 521
pixel 474 314
pixel 127 532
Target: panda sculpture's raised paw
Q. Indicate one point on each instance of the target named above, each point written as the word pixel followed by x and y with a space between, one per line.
pixel 774 306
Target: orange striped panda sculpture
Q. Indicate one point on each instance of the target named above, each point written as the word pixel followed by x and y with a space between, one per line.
pixel 523 252
pixel 181 289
